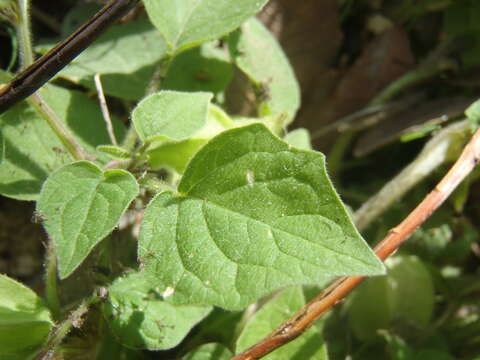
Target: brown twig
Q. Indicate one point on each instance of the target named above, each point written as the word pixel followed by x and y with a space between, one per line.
pixel 303 319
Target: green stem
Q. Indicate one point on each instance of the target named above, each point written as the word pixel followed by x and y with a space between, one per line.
pixel 155 185
pixel 130 139
pixel 25 34
pixel 26 58
pixel 58 128
pixel 62 330
pixel 51 291
pixel 159 75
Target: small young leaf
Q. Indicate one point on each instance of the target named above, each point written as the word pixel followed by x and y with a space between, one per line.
pixel 140 318
pixel 22 312
pixel 209 352
pixel 177 154
pixel 299 138
pixel 32 151
pixel 258 54
pixel 126 56
pixel 308 346
pixel 171 115
pixel 252 215
pixel 185 23
pixel 115 152
pixel 82 204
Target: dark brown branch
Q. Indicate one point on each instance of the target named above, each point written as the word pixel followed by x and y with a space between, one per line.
pixel 42 70
pixel 303 319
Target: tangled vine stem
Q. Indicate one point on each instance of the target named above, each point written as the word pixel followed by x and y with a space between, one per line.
pixel 303 319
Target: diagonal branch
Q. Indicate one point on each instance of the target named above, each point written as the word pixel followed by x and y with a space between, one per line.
pixel 305 317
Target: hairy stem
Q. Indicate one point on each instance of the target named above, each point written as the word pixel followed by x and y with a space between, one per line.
pixel 62 330
pixel 74 148
pixel 51 291
pixel 26 59
pixel 25 34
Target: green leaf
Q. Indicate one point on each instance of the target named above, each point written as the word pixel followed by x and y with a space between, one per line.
pixel 204 68
pixel 82 204
pixel 209 352
pixel 140 318
pixel 370 308
pixel 405 294
pixel 251 215
pixel 299 138
pixel 21 312
pixel 126 57
pixel 2 147
pixel 308 346
pixel 80 13
pixel 473 112
pixel 32 151
pixel 115 152
pixel 171 115
pixel 258 54
pixel 177 154
pixel 186 23
pixel 414 294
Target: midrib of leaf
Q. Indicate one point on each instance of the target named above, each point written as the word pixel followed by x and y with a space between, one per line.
pixel 80 231
pixel 254 154
pixel 185 269
pixel 194 7
pixel 205 201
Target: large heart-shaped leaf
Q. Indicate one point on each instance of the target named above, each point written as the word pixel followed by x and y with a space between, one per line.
pixel 252 215
pixel 186 23
pixel 82 204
